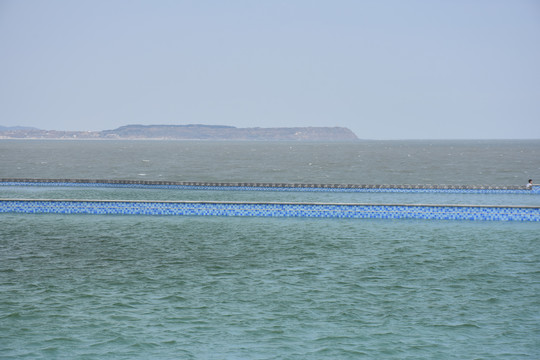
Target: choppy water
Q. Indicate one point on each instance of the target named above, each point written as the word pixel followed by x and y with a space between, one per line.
pixel 124 287
pixel 369 162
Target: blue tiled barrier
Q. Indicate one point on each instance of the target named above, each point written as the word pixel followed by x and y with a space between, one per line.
pixel 272 186
pixel 356 211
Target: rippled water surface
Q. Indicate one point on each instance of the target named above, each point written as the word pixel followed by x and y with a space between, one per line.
pixel 253 288
pixel 150 287
pixel 364 162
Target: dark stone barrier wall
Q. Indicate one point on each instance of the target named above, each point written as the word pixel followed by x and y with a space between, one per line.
pixel 262 185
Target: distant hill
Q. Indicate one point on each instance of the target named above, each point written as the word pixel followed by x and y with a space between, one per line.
pixel 189 132
pixel 216 132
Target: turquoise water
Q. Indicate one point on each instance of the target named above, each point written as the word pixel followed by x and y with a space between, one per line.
pixel 140 287
pixel 251 288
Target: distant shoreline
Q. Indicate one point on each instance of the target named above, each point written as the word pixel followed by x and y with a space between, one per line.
pixel 193 140
pixel 187 132
pixel 249 140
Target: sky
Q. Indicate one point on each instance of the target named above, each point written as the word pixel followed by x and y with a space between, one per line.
pixel 386 69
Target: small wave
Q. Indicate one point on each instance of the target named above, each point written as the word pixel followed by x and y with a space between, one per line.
pixel 172 298
pixel 459 325
pixel 13 315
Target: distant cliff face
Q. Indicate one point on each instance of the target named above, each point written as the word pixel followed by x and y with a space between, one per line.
pixel 192 132
pixel 210 132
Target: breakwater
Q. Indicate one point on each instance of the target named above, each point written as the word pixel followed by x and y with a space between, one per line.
pixel 268 209
pixel 261 186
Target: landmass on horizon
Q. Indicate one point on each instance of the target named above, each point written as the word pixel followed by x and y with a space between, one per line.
pixel 186 132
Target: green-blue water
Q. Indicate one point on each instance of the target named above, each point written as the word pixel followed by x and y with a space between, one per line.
pixel 253 288
pixel 125 287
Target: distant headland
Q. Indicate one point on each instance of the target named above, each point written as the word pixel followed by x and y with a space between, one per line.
pixel 186 132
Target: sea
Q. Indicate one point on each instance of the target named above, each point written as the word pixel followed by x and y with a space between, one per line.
pixel 205 287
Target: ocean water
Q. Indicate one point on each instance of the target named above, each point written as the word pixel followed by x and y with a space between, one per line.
pixel 364 162
pixel 129 287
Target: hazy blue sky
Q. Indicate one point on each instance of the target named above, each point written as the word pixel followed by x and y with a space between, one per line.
pixel 386 69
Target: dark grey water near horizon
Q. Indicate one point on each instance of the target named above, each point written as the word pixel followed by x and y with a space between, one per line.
pixel 139 287
pixel 465 162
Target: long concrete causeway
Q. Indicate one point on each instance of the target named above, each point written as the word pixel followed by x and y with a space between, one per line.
pixel 269 209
